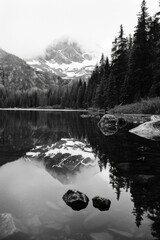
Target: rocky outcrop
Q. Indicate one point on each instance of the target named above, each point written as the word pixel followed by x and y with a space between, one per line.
pixel 149 130
pixel 103 204
pixel 109 124
pixel 76 200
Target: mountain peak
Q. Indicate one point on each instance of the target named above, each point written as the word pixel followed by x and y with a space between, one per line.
pixel 66 58
pixel 65 43
pixel 65 51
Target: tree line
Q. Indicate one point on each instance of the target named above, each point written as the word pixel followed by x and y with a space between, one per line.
pixel 132 73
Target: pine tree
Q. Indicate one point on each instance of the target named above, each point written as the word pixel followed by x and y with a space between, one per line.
pixel 73 95
pixel 92 85
pixel 154 41
pixel 100 96
pixel 118 69
pixel 80 94
pixel 137 82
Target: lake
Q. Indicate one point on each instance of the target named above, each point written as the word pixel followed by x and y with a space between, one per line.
pixel 44 154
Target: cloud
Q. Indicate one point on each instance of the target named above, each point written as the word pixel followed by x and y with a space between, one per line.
pixel 28 26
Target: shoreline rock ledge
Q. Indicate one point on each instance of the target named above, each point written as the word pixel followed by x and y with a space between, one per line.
pixel 75 199
pixel 149 130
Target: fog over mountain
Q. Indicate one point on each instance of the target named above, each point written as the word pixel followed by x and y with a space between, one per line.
pixel 68 58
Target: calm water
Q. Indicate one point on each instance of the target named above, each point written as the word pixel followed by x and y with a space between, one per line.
pixel 125 169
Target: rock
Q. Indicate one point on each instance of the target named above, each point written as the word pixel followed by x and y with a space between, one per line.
pixel 109 124
pixel 75 199
pixel 103 204
pixel 155 117
pixel 7 225
pixel 149 130
pixel 121 122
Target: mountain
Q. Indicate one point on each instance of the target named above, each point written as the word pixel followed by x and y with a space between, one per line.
pixel 16 74
pixel 66 59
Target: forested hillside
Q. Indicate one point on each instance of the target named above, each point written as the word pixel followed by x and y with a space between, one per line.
pixel 132 73
pixel 20 84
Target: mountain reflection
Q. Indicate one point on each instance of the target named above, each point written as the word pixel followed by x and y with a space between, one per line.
pixel 22 130
pixel 133 162
pixel 65 158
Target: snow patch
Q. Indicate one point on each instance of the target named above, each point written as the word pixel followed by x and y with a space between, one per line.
pixel 33 154
pixel 33 62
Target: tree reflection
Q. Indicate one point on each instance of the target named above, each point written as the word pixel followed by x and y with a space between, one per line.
pixel 134 165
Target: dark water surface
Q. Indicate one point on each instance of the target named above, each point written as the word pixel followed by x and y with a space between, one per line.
pixel 123 167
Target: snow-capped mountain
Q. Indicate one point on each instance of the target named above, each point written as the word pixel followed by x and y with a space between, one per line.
pixel 66 59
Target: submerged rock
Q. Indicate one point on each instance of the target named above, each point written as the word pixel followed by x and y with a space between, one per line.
pixel 103 204
pixel 7 225
pixel 149 130
pixel 109 124
pixel 75 199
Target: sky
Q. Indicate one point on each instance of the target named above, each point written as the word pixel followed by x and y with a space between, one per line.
pixel 27 27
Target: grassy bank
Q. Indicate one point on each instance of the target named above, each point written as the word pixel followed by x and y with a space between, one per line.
pixel 147 106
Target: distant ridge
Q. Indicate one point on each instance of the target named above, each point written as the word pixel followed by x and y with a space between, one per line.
pixel 16 74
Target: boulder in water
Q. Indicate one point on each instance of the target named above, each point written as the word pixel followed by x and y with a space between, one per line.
pixel 75 199
pixel 103 204
pixel 109 124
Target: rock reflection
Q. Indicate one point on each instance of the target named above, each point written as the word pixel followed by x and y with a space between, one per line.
pixel 110 124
